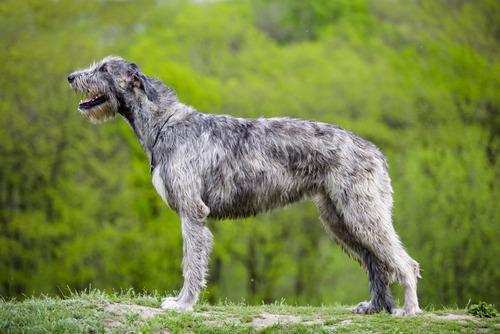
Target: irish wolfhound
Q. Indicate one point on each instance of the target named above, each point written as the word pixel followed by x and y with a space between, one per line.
pixel 217 166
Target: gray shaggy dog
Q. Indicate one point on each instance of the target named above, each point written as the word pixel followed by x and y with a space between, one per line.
pixel 217 166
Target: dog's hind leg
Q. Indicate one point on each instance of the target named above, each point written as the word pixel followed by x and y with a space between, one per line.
pixel 197 244
pixel 378 274
pixel 365 208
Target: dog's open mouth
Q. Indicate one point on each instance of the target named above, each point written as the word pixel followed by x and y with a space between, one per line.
pixel 97 108
pixel 92 101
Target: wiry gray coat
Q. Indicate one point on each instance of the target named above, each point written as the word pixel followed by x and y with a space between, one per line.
pixel 218 166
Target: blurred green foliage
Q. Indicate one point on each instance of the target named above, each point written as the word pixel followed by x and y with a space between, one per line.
pixel 421 79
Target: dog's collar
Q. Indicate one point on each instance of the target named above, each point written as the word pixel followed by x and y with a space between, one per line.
pixel 151 148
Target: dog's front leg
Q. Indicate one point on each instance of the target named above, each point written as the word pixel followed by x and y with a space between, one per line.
pixel 197 243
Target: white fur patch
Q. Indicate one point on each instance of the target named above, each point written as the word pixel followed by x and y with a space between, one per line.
pixel 159 185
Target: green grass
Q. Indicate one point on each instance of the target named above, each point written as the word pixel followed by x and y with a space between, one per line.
pixel 98 312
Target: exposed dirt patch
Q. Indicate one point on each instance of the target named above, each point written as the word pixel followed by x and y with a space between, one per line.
pixel 262 320
pixel 450 316
pixel 268 319
pixel 458 318
pixel 144 311
pixel 117 313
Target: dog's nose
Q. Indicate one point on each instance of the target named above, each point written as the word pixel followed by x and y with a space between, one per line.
pixel 71 77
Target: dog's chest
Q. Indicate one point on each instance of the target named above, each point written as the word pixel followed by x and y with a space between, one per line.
pixel 160 186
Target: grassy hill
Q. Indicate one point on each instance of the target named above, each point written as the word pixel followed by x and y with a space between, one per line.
pixel 98 312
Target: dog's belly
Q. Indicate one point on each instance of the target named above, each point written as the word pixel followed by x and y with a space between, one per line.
pixel 250 202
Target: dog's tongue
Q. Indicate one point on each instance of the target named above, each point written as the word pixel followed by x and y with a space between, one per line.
pixel 88 99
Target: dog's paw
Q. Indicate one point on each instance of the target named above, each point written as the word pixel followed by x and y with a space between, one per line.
pixel 398 312
pixel 171 303
pixel 363 308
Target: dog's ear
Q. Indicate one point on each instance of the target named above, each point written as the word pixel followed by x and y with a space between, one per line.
pixel 136 80
pixel 134 75
pixel 139 80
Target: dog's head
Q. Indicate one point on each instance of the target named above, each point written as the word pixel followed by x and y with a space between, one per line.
pixel 109 87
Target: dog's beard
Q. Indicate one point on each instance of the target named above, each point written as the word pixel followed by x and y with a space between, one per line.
pixel 100 113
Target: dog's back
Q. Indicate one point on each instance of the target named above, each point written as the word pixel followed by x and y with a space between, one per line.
pixel 246 166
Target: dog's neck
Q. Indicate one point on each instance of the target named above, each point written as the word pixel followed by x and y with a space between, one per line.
pixel 149 125
pixel 152 104
pixel 153 109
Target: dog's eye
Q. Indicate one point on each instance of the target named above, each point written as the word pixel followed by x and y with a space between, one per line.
pixel 103 68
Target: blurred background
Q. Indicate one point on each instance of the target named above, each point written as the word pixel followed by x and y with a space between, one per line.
pixel 421 79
